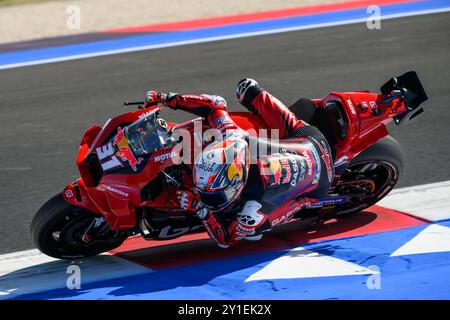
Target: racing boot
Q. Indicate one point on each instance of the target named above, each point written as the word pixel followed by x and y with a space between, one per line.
pixel 247 89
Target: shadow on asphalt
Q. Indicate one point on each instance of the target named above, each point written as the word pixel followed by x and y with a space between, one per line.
pixel 174 265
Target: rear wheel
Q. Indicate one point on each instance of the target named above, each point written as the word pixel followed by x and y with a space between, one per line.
pixel 64 231
pixel 370 176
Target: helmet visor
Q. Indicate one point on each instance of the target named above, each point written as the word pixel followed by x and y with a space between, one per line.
pixel 218 199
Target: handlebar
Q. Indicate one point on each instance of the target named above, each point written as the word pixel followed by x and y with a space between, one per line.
pixel 133 103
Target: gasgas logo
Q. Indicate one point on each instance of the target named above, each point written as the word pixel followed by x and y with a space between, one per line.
pixel 287 216
pixel 115 190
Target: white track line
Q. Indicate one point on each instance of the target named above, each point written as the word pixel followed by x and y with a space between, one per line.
pixel 430 201
pixel 30 271
pixel 218 38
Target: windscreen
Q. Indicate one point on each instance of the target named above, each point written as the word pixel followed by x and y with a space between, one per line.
pixel 147 135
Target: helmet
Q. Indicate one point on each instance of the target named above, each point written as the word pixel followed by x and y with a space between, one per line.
pixel 221 171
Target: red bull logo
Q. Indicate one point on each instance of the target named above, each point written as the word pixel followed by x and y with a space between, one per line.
pixel 275 171
pixel 124 153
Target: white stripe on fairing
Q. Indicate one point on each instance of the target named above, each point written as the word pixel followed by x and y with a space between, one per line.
pixel 218 38
pixel 30 271
pixel 430 201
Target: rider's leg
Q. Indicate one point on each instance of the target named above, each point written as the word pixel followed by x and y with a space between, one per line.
pixel 271 110
pixel 247 224
pixel 258 216
pixel 251 223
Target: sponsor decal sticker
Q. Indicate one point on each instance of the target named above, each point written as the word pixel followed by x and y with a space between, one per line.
pixel 106 152
pixel 351 106
pixel 329 201
pixel 115 190
pixel 69 193
pixel 364 105
pixel 165 156
pixel 340 161
pixel 124 153
pixel 147 113
pixel 222 120
pixel 317 162
pixel 287 215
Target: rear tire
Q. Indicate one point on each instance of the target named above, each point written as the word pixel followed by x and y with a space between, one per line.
pixel 57 227
pixel 386 156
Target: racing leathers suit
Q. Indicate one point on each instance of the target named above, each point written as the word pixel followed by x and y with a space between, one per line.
pixel 293 173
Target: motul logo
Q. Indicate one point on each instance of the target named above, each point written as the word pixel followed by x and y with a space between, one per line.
pixel 165 156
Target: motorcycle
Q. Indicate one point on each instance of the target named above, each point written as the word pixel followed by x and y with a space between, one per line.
pixel 128 181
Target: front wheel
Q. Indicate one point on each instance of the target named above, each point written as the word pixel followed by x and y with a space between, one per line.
pixel 64 231
pixel 370 176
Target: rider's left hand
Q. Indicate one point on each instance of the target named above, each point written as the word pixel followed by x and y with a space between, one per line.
pixel 154 97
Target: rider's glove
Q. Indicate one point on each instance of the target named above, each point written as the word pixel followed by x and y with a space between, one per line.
pixel 154 97
pixel 188 200
pixel 215 228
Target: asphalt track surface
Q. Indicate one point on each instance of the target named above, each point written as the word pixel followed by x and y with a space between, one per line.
pixel 45 109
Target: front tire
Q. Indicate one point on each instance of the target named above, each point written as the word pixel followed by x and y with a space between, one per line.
pixel 60 230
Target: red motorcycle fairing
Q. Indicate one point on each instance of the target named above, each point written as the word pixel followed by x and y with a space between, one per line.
pixel 367 117
pixel 116 195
